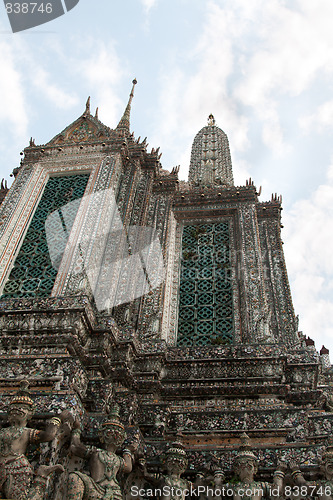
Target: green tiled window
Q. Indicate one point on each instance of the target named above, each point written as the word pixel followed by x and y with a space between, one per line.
pixel 33 274
pixel 205 296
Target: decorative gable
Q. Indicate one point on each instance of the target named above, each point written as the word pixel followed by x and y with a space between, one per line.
pixel 85 129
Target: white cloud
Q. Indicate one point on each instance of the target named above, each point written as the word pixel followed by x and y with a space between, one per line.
pixel 291 48
pixel 148 5
pixel 53 92
pixel 241 171
pixel 103 72
pixel 12 109
pixel 308 249
pixel 321 119
pixel 99 71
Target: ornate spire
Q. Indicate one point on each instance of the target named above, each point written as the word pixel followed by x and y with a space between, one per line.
pixel 210 158
pixel 123 126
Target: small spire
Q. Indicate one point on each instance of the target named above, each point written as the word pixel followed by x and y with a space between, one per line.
pixel 87 111
pixel 96 114
pixel 211 120
pixel 124 124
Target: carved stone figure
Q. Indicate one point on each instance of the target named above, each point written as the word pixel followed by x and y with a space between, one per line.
pixel 105 464
pixel 210 486
pixel 218 481
pixel 172 486
pixel 245 467
pixel 16 473
pixel 321 488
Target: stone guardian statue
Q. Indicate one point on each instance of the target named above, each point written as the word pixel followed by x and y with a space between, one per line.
pixel 105 464
pixel 16 473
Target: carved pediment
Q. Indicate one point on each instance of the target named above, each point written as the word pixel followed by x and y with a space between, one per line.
pixel 82 132
pixel 85 129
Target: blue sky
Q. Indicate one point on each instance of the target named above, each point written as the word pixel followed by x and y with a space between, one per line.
pixel 264 69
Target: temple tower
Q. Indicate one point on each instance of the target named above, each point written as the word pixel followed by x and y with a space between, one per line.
pixel 210 158
pixel 233 281
pixel 118 279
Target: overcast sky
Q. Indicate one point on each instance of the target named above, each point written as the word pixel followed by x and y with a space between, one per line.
pixel 263 68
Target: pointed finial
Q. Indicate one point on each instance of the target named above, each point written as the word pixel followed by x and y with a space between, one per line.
pixel 87 112
pixel 244 450
pixel 176 451
pixel 112 426
pixel 23 396
pixel 123 126
pixel 245 441
pixel 211 120
pixel 96 114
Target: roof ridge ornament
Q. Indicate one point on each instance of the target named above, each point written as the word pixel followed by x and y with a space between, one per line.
pixel 87 111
